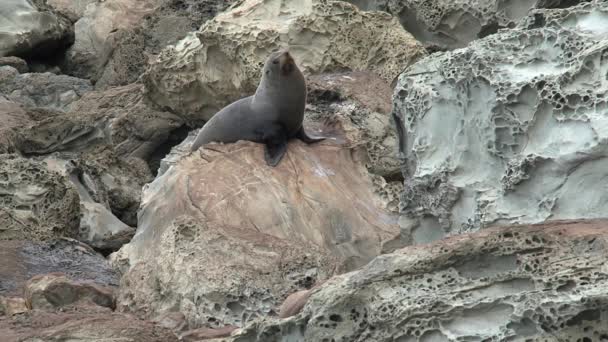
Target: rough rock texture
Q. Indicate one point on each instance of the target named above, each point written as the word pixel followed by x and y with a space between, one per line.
pixel 15 62
pixel 91 48
pixel 31 28
pixel 222 62
pixel 454 24
pixel 21 260
pixel 12 116
pixel 55 290
pixel 525 283
pixel 109 189
pixel 45 90
pixel 40 326
pixel 35 203
pixel 132 49
pixel 226 247
pixel 12 306
pixel 72 9
pixel 511 129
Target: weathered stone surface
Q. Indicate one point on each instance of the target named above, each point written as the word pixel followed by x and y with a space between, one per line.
pixel 72 9
pixel 511 129
pixel 90 51
pixel 206 333
pixel 295 224
pixel 31 28
pixel 12 306
pixel 44 90
pixel 35 203
pixel 222 62
pixel 454 24
pixel 21 260
pixel 14 62
pixel 54 290
pixel 12 116
pixel 41 326
pixel 132 49
pixel 535 283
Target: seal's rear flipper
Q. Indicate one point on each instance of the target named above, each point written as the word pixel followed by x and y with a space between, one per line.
pixel 274 152
pixel 307 139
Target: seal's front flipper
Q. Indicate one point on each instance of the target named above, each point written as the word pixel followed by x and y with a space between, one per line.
pixel 274 152
pixel 306 138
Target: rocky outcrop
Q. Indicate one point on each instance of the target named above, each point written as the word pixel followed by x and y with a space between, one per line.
pixel 41 326
pixel 43 90
pixel 293 225
pixel 22 260
pixel 72 9
pixel 133 48
pixel 222 62
pixel 93 31
pixel 31 28
pixel 15 62
pixel 55 290
pixel 511 129
pixel 36 203
pixel 454 24
pixel 541 282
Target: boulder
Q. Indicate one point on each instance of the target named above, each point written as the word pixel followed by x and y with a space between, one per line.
pixel 222 61
pixel 12 306
pixel 511 129
pixel 72 9
pixel 91 48
pixel 15 62
pixel 132 49
pixel 54 290
pixel 12 117
pixel 445 25
pixel 36 203
pixel 275 230
pixel 23 259
pixel 45 90
pixel 41 326
pixel 31 28
pixel 541 282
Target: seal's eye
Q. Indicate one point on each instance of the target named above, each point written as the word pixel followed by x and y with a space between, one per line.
pixel 276 61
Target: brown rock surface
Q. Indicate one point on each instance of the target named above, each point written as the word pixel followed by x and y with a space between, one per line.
pixel 55 290
pixel 275 230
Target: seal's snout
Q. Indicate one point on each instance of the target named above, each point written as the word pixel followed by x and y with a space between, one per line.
pixel 287 63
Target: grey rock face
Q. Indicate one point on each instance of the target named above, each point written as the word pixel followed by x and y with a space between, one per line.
pixel 31 28
pixel 43 90
pixel 454 24
pixel 511 129
pixel 527 283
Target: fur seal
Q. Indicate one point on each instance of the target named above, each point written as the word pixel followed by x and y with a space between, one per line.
pixel 271 116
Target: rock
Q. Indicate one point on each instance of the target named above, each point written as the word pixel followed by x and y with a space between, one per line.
pixel 12 116
pixel 539 283
pixel 494 135
pixel 294 303
pixel 15 62
pixel 31 28
pixel 91 48
pixel 37 203
pixel 55 290
pixel 44 90
pixel 132 49
pixel 40 326
pixel 290 223
pixel 207 333
pixel 176 321
pixel 22 260
pixel 109 189
pixel 72 9
pixel 12 306
pixel 454 24
pixel 222 62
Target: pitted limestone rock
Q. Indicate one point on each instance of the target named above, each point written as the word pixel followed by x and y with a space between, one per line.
pixel 525 283
pixel 35 203
pixel 222 62
pixel 511 129
pixel 454 24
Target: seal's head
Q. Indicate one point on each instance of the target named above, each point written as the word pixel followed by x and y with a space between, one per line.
pixel 280 64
